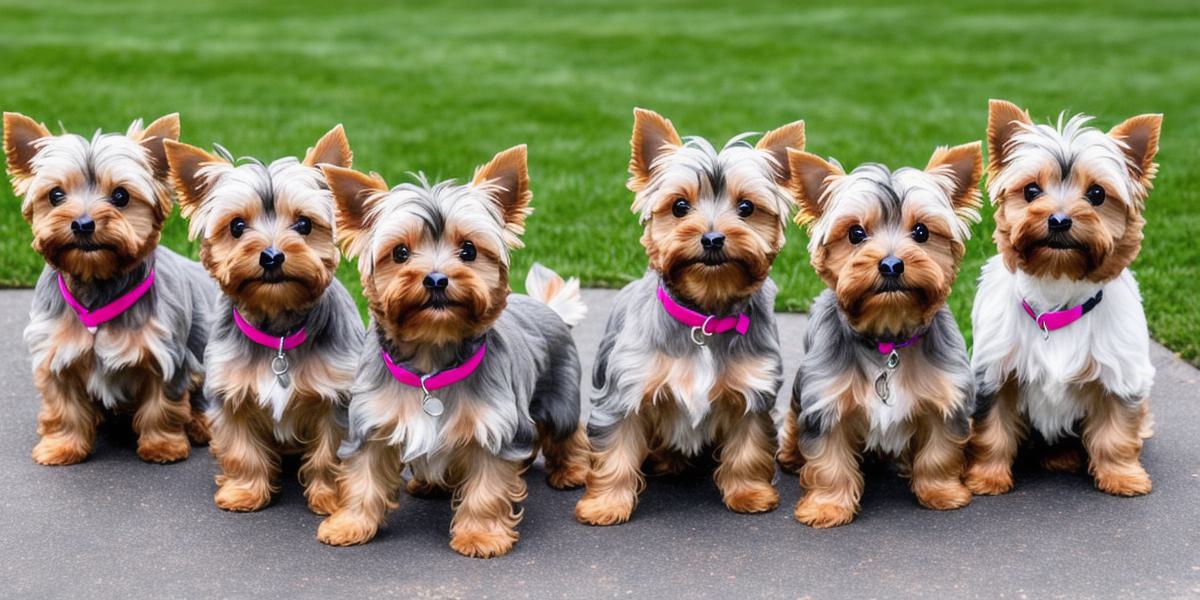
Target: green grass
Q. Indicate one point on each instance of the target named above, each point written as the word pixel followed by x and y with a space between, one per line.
pixel 442 89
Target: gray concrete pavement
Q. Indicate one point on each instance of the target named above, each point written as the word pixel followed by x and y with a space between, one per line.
pixel 116 527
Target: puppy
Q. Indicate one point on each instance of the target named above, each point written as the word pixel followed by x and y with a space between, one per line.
pixel 886 368
pixel 285 333
pixel 1060 334
pixel 117 323
pixel 690 357
pixel 458 379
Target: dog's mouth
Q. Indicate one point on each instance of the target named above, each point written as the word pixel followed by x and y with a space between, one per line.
pixel 268 278
pixel 1058 241
pixel 439 301
pixel 87 247
pixel 894 286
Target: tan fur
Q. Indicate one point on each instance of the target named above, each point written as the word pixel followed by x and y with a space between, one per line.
pixel 746 457
pixel 484 503
pixel 68 418
pixel 789 457
pixel 1111 434
pixel 937 464
pixel 831 478
pixel 993 444
pixel 615 479
pixel 368 485
pixel 249 461
pixel 566 460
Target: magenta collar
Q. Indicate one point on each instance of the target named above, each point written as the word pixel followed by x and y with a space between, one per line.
pixel 263 338
pixel 702 324
pixel 1052 320
pixel 434 381
pixel 93 318
pixel 888 347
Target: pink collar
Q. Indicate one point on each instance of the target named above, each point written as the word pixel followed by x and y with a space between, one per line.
pixel 437 380
pixel 1052 320
pixel 702 323
pixel 93 318
pixel 263 338
pixel 888 347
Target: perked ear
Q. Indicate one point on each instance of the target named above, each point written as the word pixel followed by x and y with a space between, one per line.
pixel 1004 120
pixel 507 179
pixel 810 179
pixel 331 149
pixel 151 138
pixel 776 143
pixel 351 192
pixel 963 166
pixel 1140 137
pixel 184 164
pixel 653 135
pixel 20 133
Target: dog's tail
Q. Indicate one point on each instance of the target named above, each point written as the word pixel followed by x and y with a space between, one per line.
pixel 562 297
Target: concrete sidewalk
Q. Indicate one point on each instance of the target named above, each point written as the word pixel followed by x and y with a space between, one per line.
pixel 115 527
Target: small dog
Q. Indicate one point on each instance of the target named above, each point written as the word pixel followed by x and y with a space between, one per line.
pixel 458 379
pixel 286 334
pixel 1060 334
pixel 690 357
pixel 886 367
pixel 117 323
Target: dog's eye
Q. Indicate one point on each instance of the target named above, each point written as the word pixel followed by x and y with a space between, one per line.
pixel 745 208
pixel 119 197
pixel 467 254
pixel 920 233
pixel 303 226
pixel 680 208
pixel 237 227
pixel 400 253
pixel 857 234
pixel 56 196
pixel 1095 195
pixel 1032 191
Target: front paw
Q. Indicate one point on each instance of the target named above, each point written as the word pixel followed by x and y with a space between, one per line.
pixel 483 543
pixel 419 488
pixel 823 515
pixel 163 449
pixel 567 477
pixel 606 509
pixel 1126 483
pixel 944 497
pixel 756 498
pixel 58 451
pixel 988 481
pixel 322 498
pixel 238 498
pixel 346 529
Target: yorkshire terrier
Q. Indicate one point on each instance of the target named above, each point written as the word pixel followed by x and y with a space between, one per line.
pixel 285 334
pixel 459 380
pixel 1060 334
pixel 886 368
pixel 118 323
pixel 690 358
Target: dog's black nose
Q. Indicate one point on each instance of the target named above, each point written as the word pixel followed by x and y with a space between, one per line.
pixel 1059 222
pixel 436 281
pixel 891 266
pixel 271 258
pixel 713 240
pixel 83 225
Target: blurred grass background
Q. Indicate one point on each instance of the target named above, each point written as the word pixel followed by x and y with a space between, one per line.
pixel 442 88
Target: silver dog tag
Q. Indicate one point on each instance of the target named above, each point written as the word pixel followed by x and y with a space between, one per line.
pixel 882 389
pixel 280 366
pixel 432 406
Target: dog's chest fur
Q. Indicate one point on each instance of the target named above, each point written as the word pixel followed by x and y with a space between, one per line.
pixel 1109 346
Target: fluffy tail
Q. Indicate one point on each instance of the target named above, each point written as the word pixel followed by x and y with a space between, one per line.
pixel 562 297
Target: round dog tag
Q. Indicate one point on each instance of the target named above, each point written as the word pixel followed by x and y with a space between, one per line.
pixel 432 406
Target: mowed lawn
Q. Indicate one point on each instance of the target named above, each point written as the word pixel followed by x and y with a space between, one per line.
pixel 442 89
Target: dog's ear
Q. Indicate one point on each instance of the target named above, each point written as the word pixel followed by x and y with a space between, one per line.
pixel 506 178
pixel 1139 138
pixel 776 143
pixel 653 135
pixel 331 149
pixel 352 193
pixel 20 133
pixel 187 174
pixel 811 176
pixel 1004 120
pixel 152 138
pixel 959 169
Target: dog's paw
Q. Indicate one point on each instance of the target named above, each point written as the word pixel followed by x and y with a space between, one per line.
pixel 988 481
pixel 322 498
pixel 758 498
pixel 567 477
pixel 1062 460
pixel 790 460
pixel 198 430
pixel 58 451
pixel 345 529
pixel 237 498
pixel 1125 483
pixel 164 449
pixel 609 509
pixel 822 515
pixel 944 497
pixel 418 488
pixel 483 543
